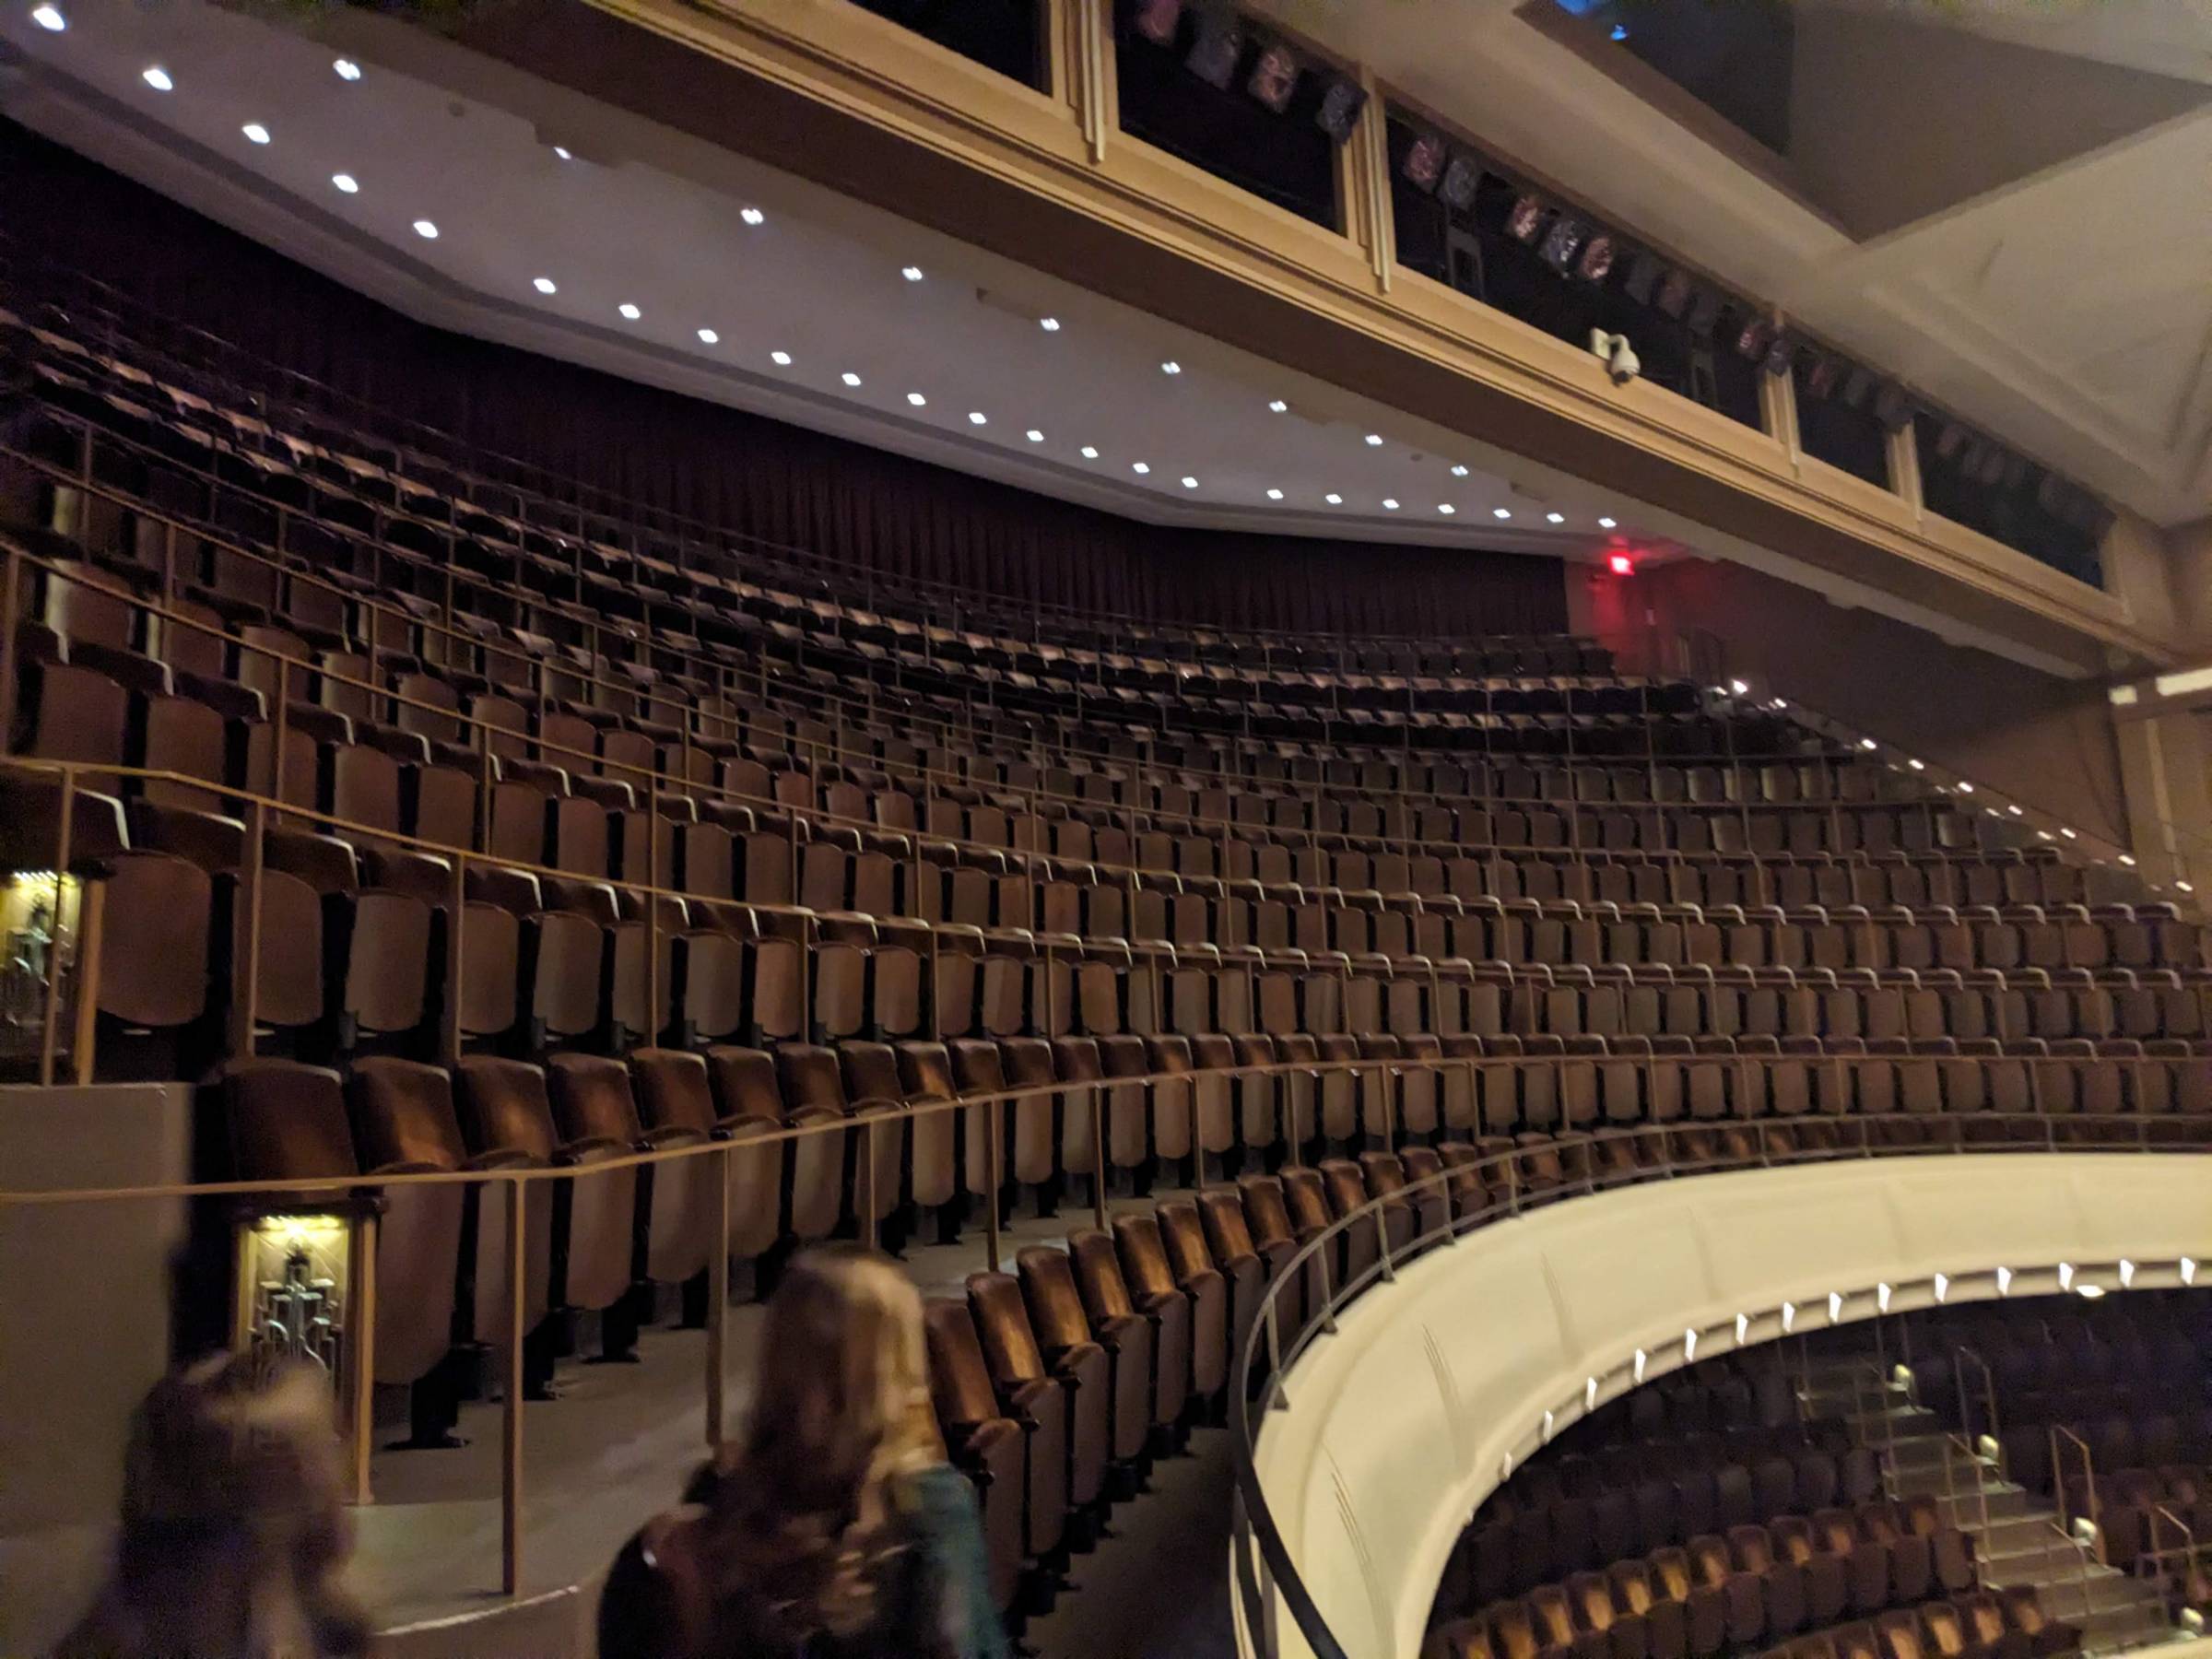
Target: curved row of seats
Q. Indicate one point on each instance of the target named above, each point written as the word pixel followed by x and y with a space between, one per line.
pixel 118 684
pixel 1759 1585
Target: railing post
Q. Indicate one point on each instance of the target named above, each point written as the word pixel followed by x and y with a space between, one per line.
pixel 51 1018
pixel 993 1179
pixel 1097 1154
pixel 510 1424
pixel 11 599
pixel 718 1300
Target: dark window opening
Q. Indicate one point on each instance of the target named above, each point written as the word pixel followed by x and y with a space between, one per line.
pixel 1734 56
pixel 1831 429
pixel 1470 249
pixel 2006 512
pixel 1285 159
pixel 1005 35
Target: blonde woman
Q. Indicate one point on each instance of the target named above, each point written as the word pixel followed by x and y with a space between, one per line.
pixel 832 1528
pixel 234 1532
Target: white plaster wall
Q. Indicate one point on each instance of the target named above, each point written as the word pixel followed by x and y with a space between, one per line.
pixel 1395 1426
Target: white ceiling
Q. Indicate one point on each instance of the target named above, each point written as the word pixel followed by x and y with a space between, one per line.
pixel 2067 303
pixel 819 278
pixel 2160 36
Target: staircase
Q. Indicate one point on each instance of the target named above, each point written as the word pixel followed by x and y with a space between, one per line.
pixel 2017 1539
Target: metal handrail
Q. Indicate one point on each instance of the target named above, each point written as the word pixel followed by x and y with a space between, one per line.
pixel 1262 1565
pixel 1817 722
pixel 488 739
pixel 630 512
pixel 262 810
pixel 2091 1510
pixel 1742 805
pixel 702 663
pixel 1988 1392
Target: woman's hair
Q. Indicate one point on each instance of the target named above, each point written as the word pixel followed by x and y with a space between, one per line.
pixel 807 1508
pixel 233 1527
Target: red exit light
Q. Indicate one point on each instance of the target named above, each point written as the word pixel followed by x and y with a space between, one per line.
pixel 1622 565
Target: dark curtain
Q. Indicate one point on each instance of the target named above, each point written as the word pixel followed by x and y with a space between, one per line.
pixel 609 440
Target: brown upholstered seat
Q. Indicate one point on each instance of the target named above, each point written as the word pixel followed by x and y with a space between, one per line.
pixel 1106 1296
pixel 1082 1370
pixel 989 1448
pixel 1063 1325
pixel 966 1398
pixel 1152 1275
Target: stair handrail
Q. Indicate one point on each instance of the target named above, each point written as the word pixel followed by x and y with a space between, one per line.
pixel 1863 1371
pixel 1960 1357
pixel 1958 1443
pixel 2151 1563
pixel 2060 1436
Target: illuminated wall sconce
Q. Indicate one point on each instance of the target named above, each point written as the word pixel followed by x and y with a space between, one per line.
pixel 1943 1286
pixel 1643 1359
pixel 2127 1274
pixel 2004 1281
pixel 1789 1317
pixel 1881 1299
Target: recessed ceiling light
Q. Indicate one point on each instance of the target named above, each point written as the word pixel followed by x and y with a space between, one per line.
pixel 545 285
pixel 562 151
pixel 1139 466
pixel 158 79
pixel 912 273
pixel 256 132
pixel 348 69
pixel 1333 499
pixel 1459 469
pixel 1501 513
pixel 977 418
pixel 707 336
pixel 1374 437
pixel 1034 436
pixel 753 216
pixel 850 378
pixel 916 399
pixel 1446 509
pixel 1049 324
pixel 345 182
pixel 1278 405
pixel 1274 495
pixel 1390 504
pixel 1555 518
pixel 1606 524
pixel 427 230
pixel 1190 483
pixel 629 310
pixel 1090 454
pixel 782 359
pixel 1170 367
pixel 49 17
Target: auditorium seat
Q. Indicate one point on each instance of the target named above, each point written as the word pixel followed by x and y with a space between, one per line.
pixel 990 1450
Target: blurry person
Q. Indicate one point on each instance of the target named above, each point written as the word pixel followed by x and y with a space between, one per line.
pixel 832 1527
pixel 234 1532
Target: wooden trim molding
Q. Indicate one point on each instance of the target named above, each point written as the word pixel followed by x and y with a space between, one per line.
pixel 830 91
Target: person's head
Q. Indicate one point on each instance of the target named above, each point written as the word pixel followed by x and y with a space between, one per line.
pixel 842 1398
pixel 233 1504
pixel 841 1413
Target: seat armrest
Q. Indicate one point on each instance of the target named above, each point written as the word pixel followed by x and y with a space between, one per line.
pixel 1113 1333
pixel 1063 1362
pixel 1019 1401
pixel 1155 1305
